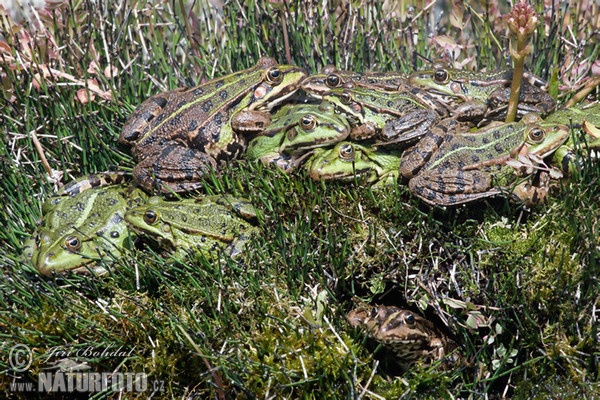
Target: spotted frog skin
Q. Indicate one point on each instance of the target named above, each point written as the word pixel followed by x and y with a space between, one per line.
pixel 83 225
pixel 180 135
pixel 207 224
pixel 330 78
pixel 410 337
pixel 476 96
pixel 450 167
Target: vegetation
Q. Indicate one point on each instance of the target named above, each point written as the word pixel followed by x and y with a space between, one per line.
pixel 517 287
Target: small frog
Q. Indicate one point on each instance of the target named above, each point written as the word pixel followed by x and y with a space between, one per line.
pixel 330 78
pixel 477 96
pixel 409 336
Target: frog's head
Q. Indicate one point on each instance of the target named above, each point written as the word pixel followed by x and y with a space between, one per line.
pixel 408 335
pixel 317 126
pixel 72 252
pixel 147 219
pixel 542 138
pixel 279 82
pixel 348 160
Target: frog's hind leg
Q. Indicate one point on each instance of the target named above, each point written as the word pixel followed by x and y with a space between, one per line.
pixel 452 188
pixel 174 169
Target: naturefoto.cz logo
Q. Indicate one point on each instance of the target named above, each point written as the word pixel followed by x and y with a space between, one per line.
pixel 68 375
pixel 69 382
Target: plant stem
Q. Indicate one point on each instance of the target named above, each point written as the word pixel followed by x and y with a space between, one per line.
pixel 582 94
pixel 515 88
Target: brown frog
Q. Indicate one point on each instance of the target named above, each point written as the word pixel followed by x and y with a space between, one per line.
pixel 180 135
pixel 409 336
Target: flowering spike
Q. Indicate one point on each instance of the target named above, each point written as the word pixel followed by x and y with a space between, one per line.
pixel 522 21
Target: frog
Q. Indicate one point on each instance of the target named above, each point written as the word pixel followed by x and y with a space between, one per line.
pixel 82 225
pixel 390 118
pixel 452 165
pixel 408 336
pixel 295 131
pixel 584 121
pixel 330 77
pixel 179 136
pixel 206 224
pixel 348 161
pixel 479 96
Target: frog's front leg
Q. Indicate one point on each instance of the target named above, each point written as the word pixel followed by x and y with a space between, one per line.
pixel 410 127
pixel 531 192
pixel 388 179
pixel 175 168
pixel 250 121
pixel 470 110
pixel 365 131
pixel 285 162
pixel 567 160
pixel 567 156
pixel 452 187
pixel 238 245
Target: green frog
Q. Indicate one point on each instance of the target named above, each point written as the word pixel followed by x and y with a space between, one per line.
pixel 207 224
pixel 392 118
pixel 330 78
pixel 82 225
pixel 347 161
pixel 410 337
pixel 295 131
pixel 451 166
pixel 180 135
pixel 584 121
pixel 477 96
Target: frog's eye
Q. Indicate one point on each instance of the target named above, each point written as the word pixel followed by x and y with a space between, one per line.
pixel 346 152
pixel 333 80
pixel 441 76
pixel 346 98
pixel 308 122
pixel 274 76
pixel 536 135
pixel 409 319
pixel 72 243
pixel 150 217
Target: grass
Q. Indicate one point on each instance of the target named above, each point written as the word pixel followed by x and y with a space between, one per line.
pixel 518 288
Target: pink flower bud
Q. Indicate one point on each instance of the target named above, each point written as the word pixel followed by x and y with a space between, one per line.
pixel 522 19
